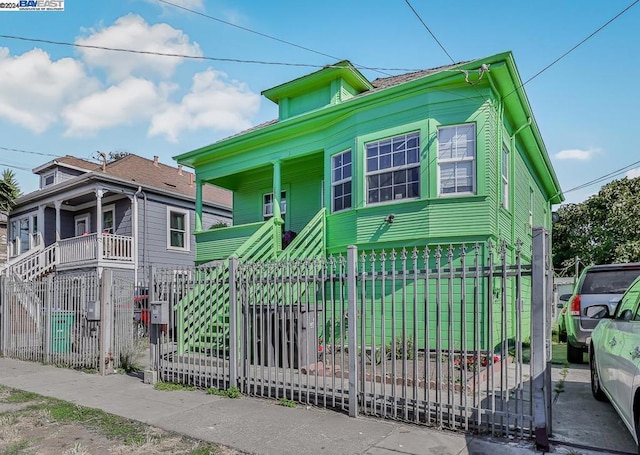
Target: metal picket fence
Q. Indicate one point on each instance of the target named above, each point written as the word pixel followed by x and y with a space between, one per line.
pixel 58 319
pixel 451 336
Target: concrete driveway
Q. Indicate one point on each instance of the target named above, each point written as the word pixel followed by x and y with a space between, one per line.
pixel 580 421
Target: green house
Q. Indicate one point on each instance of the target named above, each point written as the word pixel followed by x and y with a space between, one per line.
pixel 450 155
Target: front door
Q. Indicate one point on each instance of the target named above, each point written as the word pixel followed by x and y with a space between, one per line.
pixel 82 225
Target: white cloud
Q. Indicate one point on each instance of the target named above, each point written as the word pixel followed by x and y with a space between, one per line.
pixel 212 103
pixel 133 32
pixel 575 154
pixel 34 88
pixel 133 100
pixel 633 173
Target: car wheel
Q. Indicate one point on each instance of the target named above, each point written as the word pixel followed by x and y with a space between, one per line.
pixel 562 337
pixel 596 389
pixel 574 355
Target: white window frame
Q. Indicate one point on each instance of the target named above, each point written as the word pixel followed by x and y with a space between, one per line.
pixel 16 233
pixel 391 169
pixel 505 176
pixel 531 200
pixel 187 229
pixel 106 209
pixel 466 159
pixel 267 207
pixel 44 177
pixel 84 217
pixel 342 181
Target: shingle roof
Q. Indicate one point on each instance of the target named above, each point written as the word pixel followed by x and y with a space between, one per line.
pixel 378 84
pixel 77 162
pixel 168 178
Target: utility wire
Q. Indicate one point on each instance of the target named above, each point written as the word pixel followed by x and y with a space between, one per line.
pixel 428 29
pixel 591 35
pixel 27 151
pixel 604 177
pixel 13 166
pixel 194 57
pixel 271 37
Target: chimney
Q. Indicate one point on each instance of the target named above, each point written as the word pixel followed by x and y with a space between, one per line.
pixel 190 178
pixel 155 160
pixel 179 169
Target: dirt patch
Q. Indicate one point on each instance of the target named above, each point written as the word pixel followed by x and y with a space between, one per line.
pixel 32 424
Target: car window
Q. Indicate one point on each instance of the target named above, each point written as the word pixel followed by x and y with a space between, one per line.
pixel 608 281
pixel 627 305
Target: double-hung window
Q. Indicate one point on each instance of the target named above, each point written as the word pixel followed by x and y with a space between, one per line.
pixel 456 159
pixel 177 229
pixel 393 168
pixel 267 205
pixel 341 172
pixel 505 177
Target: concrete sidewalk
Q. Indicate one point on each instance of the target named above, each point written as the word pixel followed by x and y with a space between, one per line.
pixel 250 425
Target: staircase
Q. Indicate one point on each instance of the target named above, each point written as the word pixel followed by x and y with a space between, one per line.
pixel 26 268
pixel 203 314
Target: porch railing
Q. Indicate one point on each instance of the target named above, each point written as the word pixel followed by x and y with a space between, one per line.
pixel 94 247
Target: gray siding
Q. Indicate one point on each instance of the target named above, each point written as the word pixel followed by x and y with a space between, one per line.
pixel 49 226
pixel 65 174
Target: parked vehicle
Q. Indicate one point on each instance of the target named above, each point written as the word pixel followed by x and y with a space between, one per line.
pixel 614 356
pixel 562 325
pixel 597 285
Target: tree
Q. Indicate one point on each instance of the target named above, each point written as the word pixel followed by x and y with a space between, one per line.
pixel 9 191
pixel 604 229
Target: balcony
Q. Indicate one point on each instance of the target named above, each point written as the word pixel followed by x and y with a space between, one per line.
pixel 106 250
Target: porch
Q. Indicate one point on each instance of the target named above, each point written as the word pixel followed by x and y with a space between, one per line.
pixel 85 251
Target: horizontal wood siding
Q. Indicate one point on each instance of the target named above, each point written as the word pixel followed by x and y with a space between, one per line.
pixel 220 243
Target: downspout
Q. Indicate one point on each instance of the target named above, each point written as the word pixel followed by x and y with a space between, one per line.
pixel 499 139
pixel 512 139
pixel 144 237
pixel 134 226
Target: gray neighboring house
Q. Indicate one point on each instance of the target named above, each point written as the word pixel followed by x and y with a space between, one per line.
pixel 124 214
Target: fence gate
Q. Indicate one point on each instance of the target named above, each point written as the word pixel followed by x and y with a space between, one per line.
pixel 453 336
pixel 60 319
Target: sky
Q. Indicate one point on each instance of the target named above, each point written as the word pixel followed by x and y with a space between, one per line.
pixel 62 99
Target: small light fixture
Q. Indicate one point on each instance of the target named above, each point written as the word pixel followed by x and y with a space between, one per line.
pixel 389 219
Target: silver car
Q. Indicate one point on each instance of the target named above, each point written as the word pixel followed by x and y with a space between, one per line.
pixel 597 285
pixel 614 356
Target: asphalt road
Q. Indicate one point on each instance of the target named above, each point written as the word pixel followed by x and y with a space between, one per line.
pixel 581 421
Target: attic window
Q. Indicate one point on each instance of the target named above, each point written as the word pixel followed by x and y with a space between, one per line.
pixel 48 179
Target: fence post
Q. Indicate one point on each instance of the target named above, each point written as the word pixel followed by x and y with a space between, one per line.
pixel 48 303
pixel 106 323
pixel 540 339
pixel 153 335
pixel 352 317
pixel 233 323
pixel 4 315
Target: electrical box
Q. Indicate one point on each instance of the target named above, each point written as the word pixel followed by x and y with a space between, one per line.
pixel 93 310
pixel 159 312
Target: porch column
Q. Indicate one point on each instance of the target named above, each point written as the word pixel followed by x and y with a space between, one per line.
pixel 277 190
pixel 99 194
pixel 57 205
pixel 198 205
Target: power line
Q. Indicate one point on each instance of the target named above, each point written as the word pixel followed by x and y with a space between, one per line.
pixel 271 37
pixel 428 29
pixel 591 35
pixel 604 177
pixel 14 166
pixel 194 57
pixel 27 151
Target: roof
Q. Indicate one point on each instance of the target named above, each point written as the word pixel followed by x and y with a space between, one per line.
pixel 168 178
pixel 378 84
pixel 67 161
pixel 143 172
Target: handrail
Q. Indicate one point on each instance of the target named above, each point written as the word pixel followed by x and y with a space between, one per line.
pixel 310 242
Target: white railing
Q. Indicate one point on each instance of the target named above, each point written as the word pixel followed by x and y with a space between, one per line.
pixel 96 247
pixel 117 247
pixel 78 249
pixel 35 265
pixel 15 245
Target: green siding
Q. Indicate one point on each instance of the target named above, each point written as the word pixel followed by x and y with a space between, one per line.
pixel 309 101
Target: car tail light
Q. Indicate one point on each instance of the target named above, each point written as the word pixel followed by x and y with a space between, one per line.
pixel 575 305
